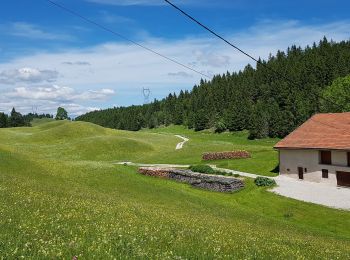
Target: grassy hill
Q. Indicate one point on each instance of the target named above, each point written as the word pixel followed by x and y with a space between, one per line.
pixel 60 196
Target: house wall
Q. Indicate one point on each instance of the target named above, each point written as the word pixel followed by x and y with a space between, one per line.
pixel 309 160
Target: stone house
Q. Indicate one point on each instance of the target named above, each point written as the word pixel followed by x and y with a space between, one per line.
pixel 318 150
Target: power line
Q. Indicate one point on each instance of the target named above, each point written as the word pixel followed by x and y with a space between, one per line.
pixel 244 52
pixel 211 31
pixel 66 9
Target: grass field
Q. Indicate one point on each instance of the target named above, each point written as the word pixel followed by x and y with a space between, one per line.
pixel 264 158
pixel 60 196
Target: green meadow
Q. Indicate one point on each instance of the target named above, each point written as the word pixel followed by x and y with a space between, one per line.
pixel 264 158
pixel 61 196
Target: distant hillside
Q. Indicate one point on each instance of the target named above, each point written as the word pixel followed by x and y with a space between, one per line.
pixel 255 99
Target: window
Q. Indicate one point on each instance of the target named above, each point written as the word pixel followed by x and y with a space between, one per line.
pixel 324 173
pixel 349 159
pixel 326 157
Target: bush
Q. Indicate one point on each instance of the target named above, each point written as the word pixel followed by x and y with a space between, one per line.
pixel 220 126
pixel 202 169
pixel 288 215
pixel 264 182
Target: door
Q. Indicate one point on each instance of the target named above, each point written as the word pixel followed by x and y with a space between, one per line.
pixel 343 179
pixel 301 173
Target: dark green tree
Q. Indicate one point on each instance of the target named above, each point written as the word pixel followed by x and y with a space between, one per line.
pixel 200 120
pixel 259 125
pixel 61 114
pixel 220 126
pixel 3 120
pixel 16 119
pixel 336 97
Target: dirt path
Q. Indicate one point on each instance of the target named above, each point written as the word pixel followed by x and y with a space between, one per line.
pixel 318 193
pixel 159 165
pixel 180 145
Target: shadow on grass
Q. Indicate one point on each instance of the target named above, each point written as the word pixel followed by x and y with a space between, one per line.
pixel 276 169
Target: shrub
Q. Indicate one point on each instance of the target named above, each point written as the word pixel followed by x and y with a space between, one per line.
pixel 264 182
pixel 288 215
pixel 202 169
pixel 220 126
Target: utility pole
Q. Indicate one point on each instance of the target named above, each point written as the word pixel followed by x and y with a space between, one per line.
pixel 146 94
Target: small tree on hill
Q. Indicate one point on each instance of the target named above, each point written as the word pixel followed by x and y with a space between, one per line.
pixel 61 114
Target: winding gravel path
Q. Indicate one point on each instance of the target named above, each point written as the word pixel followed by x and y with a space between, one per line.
pixel 180 145
pixel 318 193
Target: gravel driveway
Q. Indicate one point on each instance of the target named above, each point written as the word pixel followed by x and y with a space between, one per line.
pixel 317 193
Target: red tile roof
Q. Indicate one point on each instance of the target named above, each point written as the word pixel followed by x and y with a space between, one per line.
pixel 321 131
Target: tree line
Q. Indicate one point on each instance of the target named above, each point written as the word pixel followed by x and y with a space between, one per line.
pixel 16 119
pixel 269 100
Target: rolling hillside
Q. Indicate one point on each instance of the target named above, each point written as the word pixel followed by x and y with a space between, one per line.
pixel 61 196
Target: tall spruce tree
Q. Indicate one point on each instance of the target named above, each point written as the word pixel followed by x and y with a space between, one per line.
pixel 16 119
pixel 3 120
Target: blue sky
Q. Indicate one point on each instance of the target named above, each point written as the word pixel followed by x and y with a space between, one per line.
pixel 50 58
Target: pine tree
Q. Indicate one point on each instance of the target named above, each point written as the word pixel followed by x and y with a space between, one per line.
pixel 3 120
pixel 16 119
pixel 200 120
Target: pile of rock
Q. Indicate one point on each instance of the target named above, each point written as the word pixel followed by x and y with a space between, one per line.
pixel 200 180
pixel 241 154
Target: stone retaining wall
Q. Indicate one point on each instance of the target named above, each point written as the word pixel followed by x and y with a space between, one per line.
pixel 204 181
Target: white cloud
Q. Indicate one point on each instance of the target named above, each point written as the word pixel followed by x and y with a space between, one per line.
pixel 126 68
pixel 42 93
pixel 31 31
pixel 76 63
pixel 212 59
pixel 30 75
pixel 107 17
pixel 180 74
pixel 47 98
pixel 102 94
pixel 61 93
